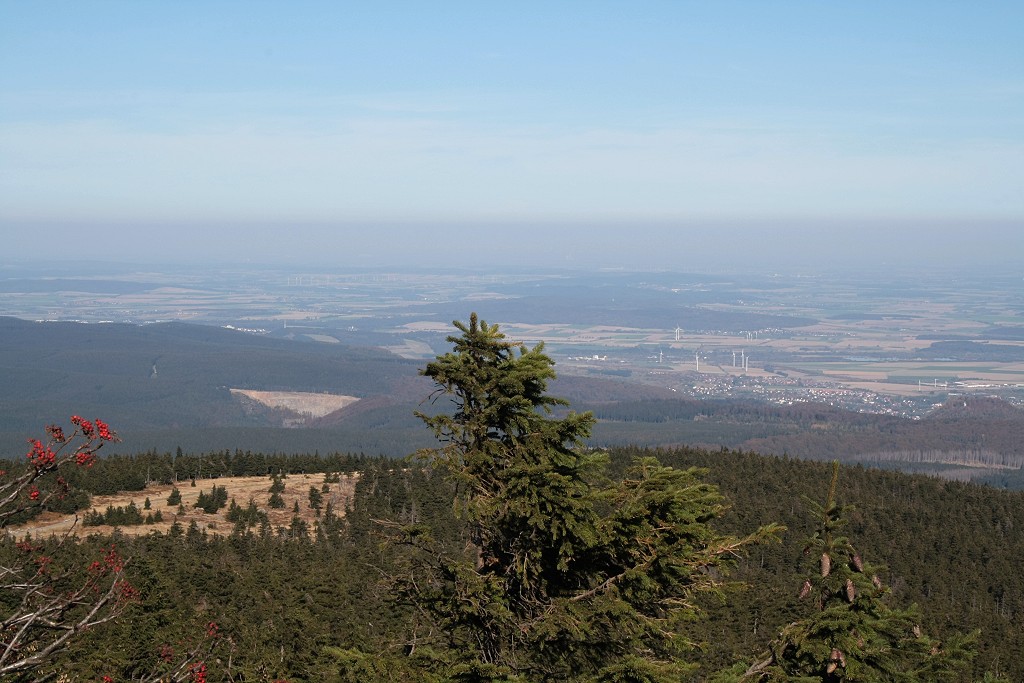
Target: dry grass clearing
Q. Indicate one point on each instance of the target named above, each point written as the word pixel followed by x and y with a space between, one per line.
pixel 242 489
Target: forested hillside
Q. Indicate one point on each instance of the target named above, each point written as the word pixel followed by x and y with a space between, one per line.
pixel 509 551
pixel 167 387
pixel 294 605
pixel 975 438
pixel 169 375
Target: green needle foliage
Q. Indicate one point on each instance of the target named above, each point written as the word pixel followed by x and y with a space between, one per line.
pixel 562 575
pixel 851 633
pixel 174 498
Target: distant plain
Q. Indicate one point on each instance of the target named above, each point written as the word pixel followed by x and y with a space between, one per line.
pixel 916 336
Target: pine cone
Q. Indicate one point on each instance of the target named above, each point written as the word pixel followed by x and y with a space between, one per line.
pixel 857 562
pixel 851 592
pixel 876 582
pixel 805 590
pixel 826 565
pixel 835 660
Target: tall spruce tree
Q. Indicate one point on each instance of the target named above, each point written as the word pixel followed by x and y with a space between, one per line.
pixel 564 575
pixel 850 632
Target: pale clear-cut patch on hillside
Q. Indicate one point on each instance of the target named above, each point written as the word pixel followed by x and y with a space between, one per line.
pixel 303 403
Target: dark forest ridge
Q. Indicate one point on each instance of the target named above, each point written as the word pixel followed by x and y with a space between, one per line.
pixel 173 385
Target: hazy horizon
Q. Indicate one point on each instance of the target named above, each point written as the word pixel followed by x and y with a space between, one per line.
pixel 662 135
pixel 707 246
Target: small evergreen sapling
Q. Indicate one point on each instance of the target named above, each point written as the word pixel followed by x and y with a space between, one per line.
pixel 174 498
pixel 850 632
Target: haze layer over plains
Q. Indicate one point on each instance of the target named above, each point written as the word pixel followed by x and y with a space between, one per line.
pixel 668 135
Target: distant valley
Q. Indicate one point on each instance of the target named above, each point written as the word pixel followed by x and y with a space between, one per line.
pixel 204 388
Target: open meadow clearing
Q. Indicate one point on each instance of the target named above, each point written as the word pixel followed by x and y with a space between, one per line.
pixel 240 489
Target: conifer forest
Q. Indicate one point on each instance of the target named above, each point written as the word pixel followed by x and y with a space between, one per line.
pixel 507 550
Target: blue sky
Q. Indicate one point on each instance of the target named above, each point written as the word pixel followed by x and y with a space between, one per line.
pixel 621 133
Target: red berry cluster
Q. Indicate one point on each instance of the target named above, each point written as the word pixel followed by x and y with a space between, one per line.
pixel 129 593
pixel 111 562
pixel 41 457
pixel 43 562
pixel 85 458
pixel 104 431
pixel 56 433
pixel 44 458
pixel 92 430
pixel 88 431
pixel 198 672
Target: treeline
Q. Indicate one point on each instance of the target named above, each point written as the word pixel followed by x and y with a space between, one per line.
pixel 965 425
pixel 976 458
pixel 1002 436
pixel 117 473
pixel 973 351
pixel 668 410
pixel 303 603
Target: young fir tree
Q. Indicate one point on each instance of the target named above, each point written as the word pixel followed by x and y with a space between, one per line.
pixel 316 499
pixel 174 498
pixel 564 576
pixel 850 632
